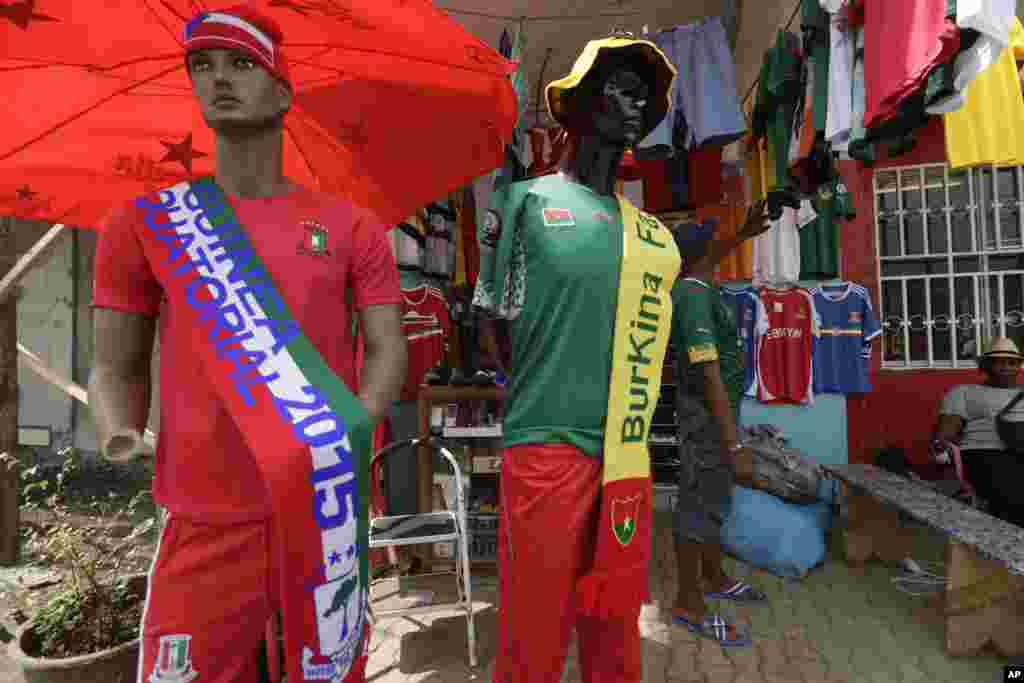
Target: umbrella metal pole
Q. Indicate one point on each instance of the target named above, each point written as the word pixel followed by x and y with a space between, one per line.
pixel 29 260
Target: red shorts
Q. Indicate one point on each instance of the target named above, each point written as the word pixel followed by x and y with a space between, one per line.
pixel 549 501
pixel 212 591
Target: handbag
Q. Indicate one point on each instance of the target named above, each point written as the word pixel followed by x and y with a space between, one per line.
pixel 783 471
pixel 1011 432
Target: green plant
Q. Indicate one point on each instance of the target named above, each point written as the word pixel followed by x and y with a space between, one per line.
pixel 98 609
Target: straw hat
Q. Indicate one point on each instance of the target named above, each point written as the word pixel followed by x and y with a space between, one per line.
pixel 1002 347
pixel 557 92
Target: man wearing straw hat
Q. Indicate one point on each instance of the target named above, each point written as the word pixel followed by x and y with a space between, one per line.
pixel 582 280
pixel 969 416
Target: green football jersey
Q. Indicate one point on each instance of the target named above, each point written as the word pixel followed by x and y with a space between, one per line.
pixel 560 298
pixel 819 239
pixel 704 329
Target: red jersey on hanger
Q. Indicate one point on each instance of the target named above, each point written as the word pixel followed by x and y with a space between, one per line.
pixel 786 348
pixel 426 325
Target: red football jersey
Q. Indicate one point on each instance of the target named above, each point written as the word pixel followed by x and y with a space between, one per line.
pixel 426 325
pixel 319 249
pixel 785 350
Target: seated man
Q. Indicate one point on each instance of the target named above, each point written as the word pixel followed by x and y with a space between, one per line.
pixel 968 416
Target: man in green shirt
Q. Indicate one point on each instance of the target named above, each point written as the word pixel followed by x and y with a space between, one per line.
pixel 709 388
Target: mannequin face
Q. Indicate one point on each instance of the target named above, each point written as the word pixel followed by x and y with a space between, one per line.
pixel 619 107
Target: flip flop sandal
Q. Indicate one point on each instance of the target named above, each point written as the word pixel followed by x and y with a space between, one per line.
pixel 740 592
pixel 714 628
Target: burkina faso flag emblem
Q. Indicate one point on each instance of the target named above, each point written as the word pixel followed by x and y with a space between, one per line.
pixel 625 513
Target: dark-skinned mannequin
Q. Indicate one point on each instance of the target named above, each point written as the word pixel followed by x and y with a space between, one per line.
pixel 607 119
pixel 559 309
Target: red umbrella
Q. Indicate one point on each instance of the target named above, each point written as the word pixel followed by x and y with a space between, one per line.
pixel 395 103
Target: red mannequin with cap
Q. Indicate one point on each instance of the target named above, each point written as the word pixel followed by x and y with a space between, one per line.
pixel 212 586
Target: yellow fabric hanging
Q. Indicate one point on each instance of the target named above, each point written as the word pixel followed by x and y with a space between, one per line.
pixel 989 128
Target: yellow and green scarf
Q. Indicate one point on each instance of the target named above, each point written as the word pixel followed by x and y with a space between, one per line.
pixel 617 583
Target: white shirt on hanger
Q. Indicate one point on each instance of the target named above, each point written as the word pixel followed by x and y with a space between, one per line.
pixel 992 18
pixel 840 85
pixel 985 51
pixel 777 252
pixel 832 6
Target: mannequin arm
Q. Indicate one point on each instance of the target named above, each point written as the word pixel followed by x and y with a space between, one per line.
pixel 385 359
pixel 120 382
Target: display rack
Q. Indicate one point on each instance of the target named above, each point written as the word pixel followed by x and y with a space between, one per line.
pixel 481 526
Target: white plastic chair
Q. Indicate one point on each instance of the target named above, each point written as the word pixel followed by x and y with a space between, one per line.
pixel 428 528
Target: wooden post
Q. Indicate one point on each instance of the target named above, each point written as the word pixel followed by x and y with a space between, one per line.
pixel 984 604
pixel 9 516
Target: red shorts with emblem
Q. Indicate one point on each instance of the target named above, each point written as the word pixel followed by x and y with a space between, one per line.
pixel 550 495
pixel 212 591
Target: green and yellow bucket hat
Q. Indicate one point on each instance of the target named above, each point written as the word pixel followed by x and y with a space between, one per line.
pixel 557 92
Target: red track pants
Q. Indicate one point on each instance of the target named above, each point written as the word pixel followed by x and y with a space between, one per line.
pixel 550 495
pixel 212 589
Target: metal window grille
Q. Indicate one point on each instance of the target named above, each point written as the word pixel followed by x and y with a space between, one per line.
pixel 951 262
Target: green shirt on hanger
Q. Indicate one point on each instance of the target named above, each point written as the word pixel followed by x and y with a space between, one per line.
pixel 819 239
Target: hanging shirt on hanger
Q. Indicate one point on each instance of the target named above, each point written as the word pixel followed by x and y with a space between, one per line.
pixel 840 84
pixel 897 62
pixel 842 355
pixel 705 102
pixel 439 256
pixel 777 96
pixel 467 227
pixel 819 234
pixel 989 128
pixel 777 251
pixel 993 18
pixel 785 348
pixel 409 245
pixel 426 325
pixel 751 323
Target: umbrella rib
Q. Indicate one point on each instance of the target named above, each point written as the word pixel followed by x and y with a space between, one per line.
pixel 160 20
pixel 302 152
pixel 74 117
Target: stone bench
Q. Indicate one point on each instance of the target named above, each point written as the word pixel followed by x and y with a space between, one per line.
pixel 984 555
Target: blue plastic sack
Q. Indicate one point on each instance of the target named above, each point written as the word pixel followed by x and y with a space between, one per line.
pixel 782 538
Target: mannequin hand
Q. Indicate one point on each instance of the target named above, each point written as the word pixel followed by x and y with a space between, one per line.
pixel 126 445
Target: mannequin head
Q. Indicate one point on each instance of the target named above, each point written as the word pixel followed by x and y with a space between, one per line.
pixel 611 103
pixel 616 94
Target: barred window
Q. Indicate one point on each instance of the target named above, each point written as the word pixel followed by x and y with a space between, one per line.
pixel 951 262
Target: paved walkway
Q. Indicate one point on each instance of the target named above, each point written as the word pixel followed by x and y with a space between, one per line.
pixel 838 625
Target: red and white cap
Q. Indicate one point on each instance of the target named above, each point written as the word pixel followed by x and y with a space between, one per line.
pixel 240 28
